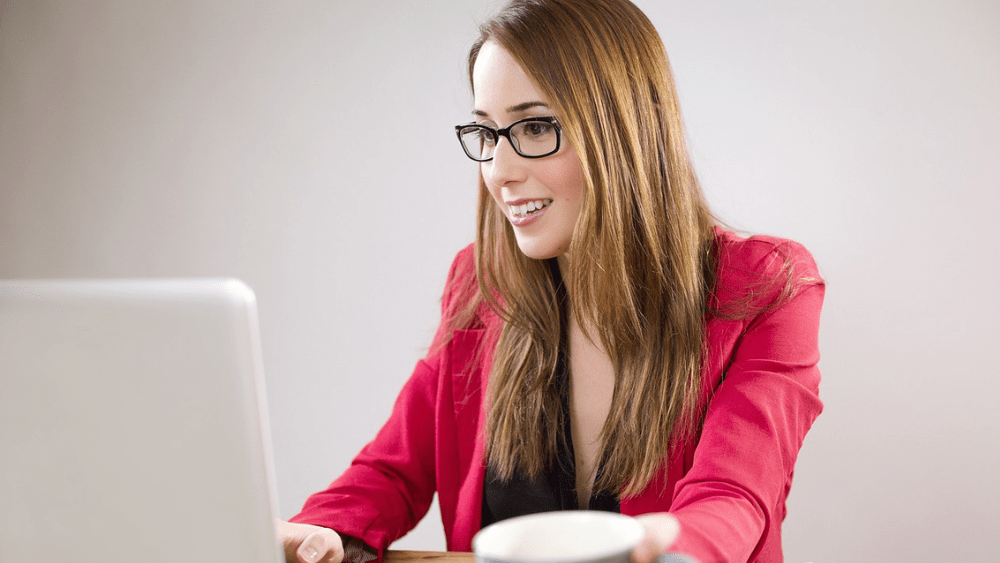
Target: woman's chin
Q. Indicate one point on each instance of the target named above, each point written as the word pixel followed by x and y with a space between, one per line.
pixel 540 252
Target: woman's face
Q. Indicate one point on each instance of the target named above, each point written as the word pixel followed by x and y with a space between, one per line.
pixel 541 197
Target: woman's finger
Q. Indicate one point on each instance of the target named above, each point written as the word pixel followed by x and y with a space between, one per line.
pixel 662 530
pixel 304 543
pixel 321 546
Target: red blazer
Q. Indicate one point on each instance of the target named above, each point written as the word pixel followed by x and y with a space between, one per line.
pixel 728 490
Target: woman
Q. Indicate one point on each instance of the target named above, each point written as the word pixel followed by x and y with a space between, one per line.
pixel 604 344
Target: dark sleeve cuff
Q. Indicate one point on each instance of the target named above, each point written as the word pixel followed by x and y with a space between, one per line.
pixel 357 551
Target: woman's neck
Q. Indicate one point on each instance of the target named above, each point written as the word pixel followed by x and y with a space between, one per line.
pixel 563 262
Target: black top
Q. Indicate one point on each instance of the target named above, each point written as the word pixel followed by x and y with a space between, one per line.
pixel 554 489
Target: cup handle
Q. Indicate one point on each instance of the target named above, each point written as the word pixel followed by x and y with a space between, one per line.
pixel 674 557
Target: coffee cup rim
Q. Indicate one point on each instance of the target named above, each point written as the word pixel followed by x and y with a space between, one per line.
pixel 634 533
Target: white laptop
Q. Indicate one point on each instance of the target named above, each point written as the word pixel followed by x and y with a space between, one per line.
pixel 133 424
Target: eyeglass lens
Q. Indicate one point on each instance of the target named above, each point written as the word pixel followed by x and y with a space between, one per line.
pixel 529 138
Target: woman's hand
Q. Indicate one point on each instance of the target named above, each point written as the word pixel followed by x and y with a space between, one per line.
pixel 662 530
pixel 304 543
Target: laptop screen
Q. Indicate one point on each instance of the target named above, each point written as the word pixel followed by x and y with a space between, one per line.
pixel 133 424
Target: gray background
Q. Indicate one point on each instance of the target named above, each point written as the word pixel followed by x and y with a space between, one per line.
pixel 307 148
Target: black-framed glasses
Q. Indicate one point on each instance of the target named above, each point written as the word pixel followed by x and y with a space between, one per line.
pixel 531 137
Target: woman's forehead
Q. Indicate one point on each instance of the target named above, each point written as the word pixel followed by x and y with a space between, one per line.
pixel 501 86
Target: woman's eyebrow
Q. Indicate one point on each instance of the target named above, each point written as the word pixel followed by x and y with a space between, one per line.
pixel 526 106
pixel 514 109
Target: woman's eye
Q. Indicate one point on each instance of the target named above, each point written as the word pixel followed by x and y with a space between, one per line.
pixel 537 128
pixel 486 138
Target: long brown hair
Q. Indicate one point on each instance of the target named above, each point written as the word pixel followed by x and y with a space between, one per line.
pixel 642 258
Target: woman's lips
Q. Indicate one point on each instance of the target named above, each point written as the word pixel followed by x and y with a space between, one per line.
pixel 524 212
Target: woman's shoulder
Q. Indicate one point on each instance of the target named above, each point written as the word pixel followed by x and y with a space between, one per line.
pixel 763 256
pixel 461 303
pixel 462 274
pixel 758 272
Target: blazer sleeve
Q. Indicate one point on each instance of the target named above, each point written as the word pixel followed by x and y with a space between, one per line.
pixel 733 496
pixel 390 484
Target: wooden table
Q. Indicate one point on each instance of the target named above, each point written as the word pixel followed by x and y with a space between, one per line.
pixel 428 557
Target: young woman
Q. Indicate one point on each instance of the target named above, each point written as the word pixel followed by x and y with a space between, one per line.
pixel 604 343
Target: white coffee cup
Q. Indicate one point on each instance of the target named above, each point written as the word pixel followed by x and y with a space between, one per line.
pixel 572 536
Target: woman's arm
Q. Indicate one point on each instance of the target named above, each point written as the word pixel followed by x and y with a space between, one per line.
pixel 390 484
pixel 731 503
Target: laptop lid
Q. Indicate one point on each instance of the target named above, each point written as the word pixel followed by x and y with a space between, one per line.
pixel 133 423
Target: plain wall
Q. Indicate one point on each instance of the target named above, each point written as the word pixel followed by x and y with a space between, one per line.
pixel 308 149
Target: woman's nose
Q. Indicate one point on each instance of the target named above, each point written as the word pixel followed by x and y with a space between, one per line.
pixel 506 167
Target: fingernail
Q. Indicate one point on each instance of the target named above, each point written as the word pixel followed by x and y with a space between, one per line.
pixel 310 554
